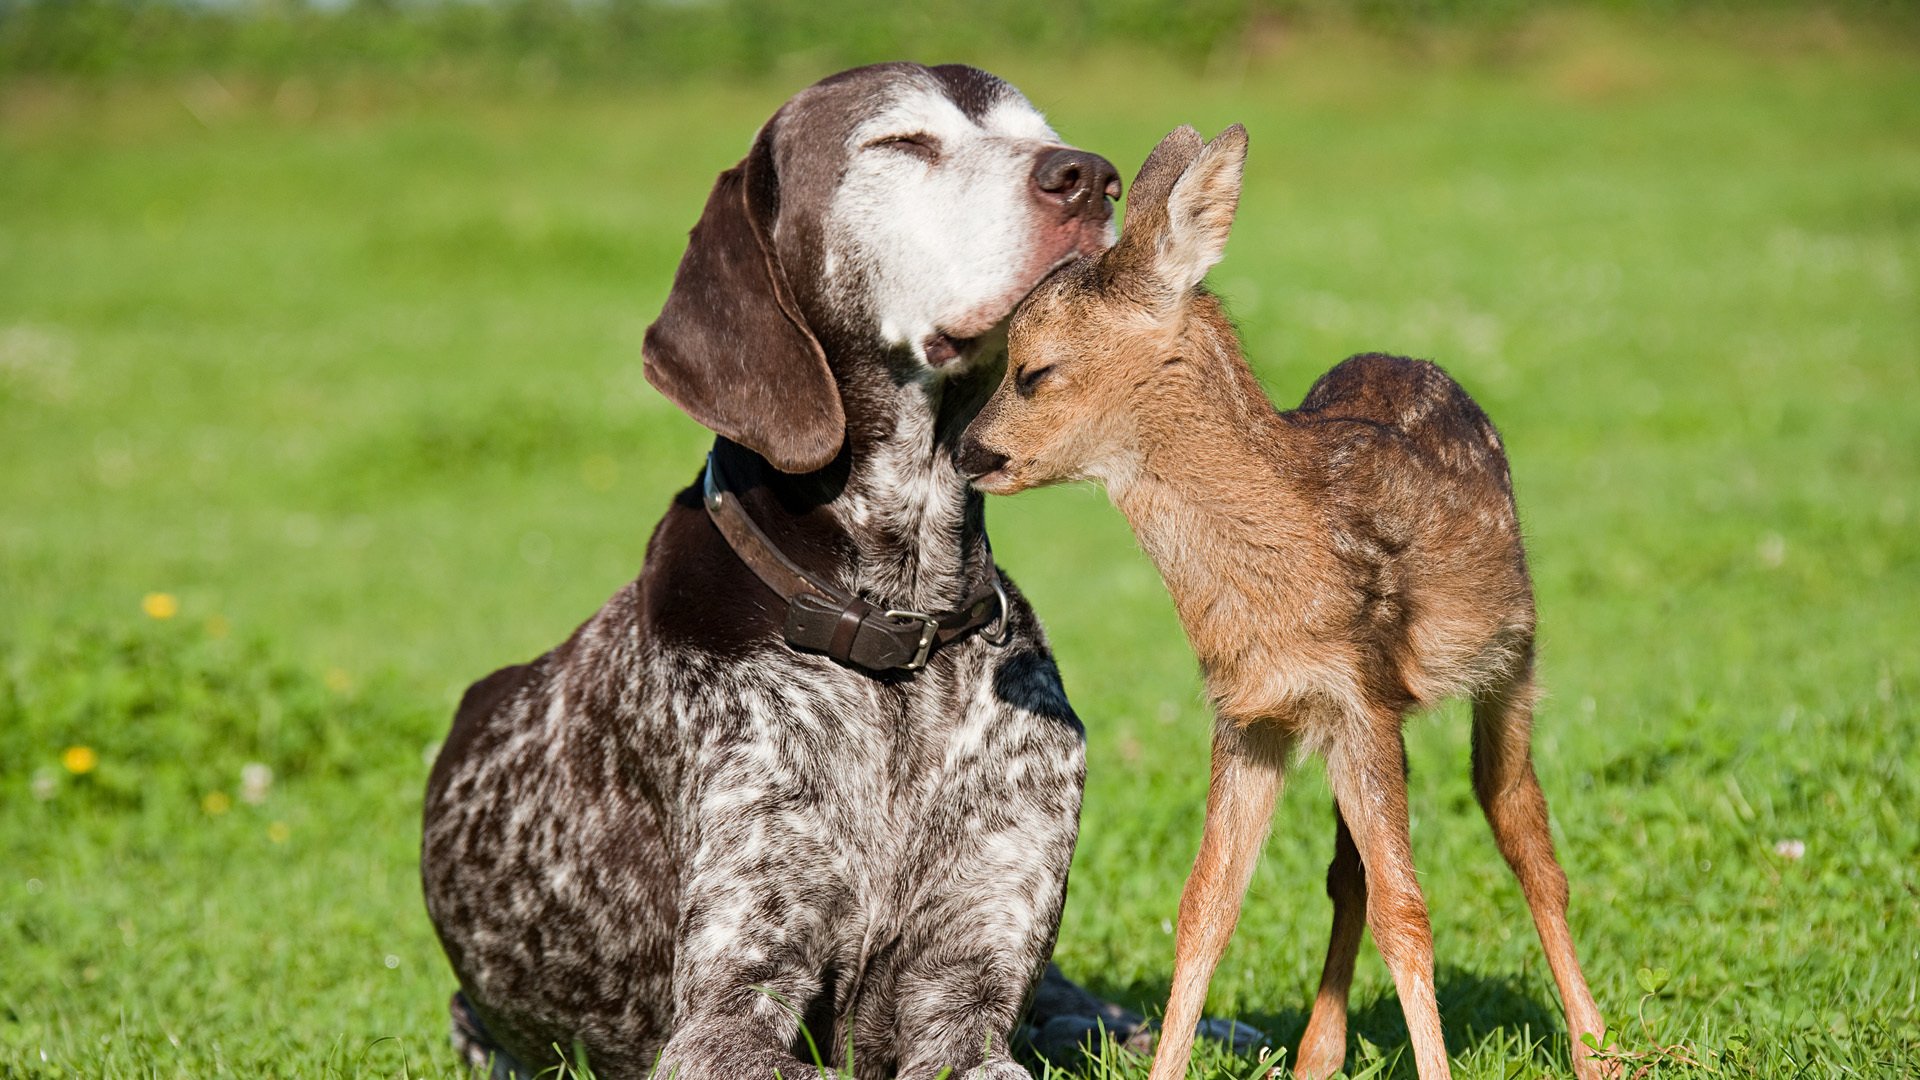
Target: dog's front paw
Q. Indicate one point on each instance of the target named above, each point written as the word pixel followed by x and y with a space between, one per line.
pixel 1065 1040
pixel 1240 1038
pixel 997 1070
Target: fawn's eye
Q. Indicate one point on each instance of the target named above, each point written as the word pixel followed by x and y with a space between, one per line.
pixel 918 143
pixel 1030 379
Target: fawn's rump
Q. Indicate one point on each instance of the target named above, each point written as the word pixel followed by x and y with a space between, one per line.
pixel 1429 525
pixel 1415 398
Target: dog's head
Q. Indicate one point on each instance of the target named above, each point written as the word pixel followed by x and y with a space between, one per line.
pixel 895 209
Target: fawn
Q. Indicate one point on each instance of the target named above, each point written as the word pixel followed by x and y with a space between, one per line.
pixel 1335 567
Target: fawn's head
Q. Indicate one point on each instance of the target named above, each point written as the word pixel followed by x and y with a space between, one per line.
pixel 1111 339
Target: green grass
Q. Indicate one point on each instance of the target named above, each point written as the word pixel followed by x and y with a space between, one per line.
pixel 351 368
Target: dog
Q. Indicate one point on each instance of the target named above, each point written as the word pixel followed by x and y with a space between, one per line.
pixel 807 790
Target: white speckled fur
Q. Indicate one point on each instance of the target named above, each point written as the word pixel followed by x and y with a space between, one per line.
pixel 661 839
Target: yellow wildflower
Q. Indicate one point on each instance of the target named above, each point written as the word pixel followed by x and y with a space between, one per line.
pixel 160 605
pixel 216 803
pixel 278 832
pixel 79 760
pixel 338 680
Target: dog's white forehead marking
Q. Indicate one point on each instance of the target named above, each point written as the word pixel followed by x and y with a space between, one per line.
pixel 924 106
pixel 929 246
pixel 1015 117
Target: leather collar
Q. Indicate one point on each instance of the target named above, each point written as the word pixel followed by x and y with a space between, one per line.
pixel 824 618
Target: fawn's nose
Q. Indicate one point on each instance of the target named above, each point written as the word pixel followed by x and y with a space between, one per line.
pixel 1082 183
pixel 976 460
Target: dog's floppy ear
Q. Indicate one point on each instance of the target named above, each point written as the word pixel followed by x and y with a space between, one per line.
pixel 730 347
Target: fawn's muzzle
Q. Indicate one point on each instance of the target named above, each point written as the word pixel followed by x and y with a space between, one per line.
pixel 976 460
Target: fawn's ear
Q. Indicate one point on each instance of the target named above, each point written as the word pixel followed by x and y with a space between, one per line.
pixel 1199 211
pixel 1143 229
pixel 1147 198
pixel 731 347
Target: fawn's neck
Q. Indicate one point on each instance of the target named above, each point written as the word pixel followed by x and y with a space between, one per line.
pixel 1213 499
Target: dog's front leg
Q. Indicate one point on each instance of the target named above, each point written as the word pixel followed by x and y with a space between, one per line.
pixel 731 1048
pixel 964 976
pixel 742 1024
pixel 755 932
pixel 955 1014
pixel 995 856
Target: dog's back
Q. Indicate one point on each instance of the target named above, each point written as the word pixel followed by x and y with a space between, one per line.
pixel 529 848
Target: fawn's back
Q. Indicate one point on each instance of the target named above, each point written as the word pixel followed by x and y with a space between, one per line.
pixel 1412 489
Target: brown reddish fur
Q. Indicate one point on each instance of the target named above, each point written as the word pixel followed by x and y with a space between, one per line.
pixel 1335 567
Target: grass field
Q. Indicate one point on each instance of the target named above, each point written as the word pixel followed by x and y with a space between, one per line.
pixel 319 399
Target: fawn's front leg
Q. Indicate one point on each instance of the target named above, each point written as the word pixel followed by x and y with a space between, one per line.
pixel 1247 763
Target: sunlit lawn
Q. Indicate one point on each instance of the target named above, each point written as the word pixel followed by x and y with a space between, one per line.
pixel 350 372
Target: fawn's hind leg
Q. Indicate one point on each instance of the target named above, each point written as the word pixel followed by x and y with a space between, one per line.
pixel 1510 794
pixel 1323 1049
pixel 1247 763
pixel 1368 772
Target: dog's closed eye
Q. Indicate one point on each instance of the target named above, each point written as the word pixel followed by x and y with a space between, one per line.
pixel 918 143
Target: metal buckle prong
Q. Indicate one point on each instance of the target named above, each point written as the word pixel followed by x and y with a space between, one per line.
pixel 927 628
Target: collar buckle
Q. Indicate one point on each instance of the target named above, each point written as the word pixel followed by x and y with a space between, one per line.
pixel 824 618
pixel 928 626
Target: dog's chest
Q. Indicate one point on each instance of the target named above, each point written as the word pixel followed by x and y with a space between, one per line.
pixel 866 790
pixel 858 759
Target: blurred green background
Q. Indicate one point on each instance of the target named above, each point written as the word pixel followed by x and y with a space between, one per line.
pixel 320 397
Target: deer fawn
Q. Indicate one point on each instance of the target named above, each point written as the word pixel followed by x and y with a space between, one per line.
pixel 1335 567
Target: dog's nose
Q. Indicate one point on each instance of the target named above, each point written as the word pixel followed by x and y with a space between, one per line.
pixel 1083 183
pixel 975 460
